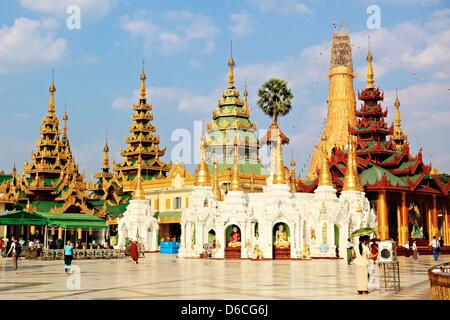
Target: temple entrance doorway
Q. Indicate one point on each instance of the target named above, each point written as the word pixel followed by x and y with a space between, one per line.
pixel 281 241
pixel 233 242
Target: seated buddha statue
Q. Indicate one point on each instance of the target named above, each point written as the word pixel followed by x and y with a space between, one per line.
pixel 281 239
pixel 235 238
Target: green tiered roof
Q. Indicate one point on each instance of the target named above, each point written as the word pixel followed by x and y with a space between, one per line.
pixel 230 121
pixel 142 143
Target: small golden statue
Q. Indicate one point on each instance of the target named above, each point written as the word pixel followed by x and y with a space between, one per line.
pixel 257 253
pixel 281 239
pixel 306 253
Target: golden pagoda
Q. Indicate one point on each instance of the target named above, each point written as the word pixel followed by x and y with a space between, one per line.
pixel 341 98
pixel 51 182
pixel 141 143
pixel 351 178
pixel 202 174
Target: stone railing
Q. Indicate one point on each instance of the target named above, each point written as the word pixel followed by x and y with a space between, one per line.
pixel 440 281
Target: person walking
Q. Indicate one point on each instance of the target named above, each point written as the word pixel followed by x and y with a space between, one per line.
pixel 414 250
pixel 2 247
pixel 435 248
pixel 349 251
pixel 362 260
pixel 68 256
pixel 15 251
pixel 134 251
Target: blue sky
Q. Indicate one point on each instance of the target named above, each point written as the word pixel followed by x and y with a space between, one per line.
pixel 186 46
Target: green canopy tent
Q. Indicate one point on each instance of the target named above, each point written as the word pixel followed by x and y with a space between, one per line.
pixel 73 221
pixel 22 218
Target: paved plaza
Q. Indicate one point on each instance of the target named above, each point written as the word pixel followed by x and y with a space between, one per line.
pixel 166 277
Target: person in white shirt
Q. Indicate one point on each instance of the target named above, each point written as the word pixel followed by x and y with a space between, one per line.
pixel 435 248
pixel 362 261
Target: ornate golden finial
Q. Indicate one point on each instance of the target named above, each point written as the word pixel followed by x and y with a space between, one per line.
pixel 202 176
pixel 351 179
pixel 216 188
pixel 279 175
pixel 325 176
pixel 52 89
pixel 143 78
pixel 231 69
pixel 398 121
pixel 65 118
pixel 28 208
pixel 14 172
pixel 399 136
pixel 370 73
pixel 105 166
pixel 235 181
pixel 293 176
pixel 139 193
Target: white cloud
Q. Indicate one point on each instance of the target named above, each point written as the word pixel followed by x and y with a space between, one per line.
pixel 91 9
pixel 241 24
pixel 174 32
pixel 180 99
pixel 29 44
pixel 281 6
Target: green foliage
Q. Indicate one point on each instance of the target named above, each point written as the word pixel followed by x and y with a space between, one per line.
pixel 275 98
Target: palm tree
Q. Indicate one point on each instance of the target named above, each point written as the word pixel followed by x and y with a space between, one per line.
pixel 275 98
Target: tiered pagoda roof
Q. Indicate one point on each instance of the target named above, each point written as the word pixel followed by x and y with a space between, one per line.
pixel 230 121
pixel 51 182
pixel 383 164
pixel 107 196
pixel 142 143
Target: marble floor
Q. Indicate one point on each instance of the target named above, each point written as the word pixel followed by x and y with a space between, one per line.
pixel 166 277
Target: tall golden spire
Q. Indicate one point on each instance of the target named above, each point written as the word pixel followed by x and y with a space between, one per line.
pixel 398 120
pixel 231 69
pixel 65 118
pixel 143 78
pixel 202 176
pixel 235 181
pixel 370 74
pixel 324 176
pixel 216 188
pixel 279 176
pixel 105 166
pixel 52 89
pixel 139 193
pixel 293 176
pixel 341 99
pixel 399 136
pixel 351 179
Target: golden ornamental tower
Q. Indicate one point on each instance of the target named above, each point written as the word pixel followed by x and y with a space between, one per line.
pixel 235 181
pixel 279 175
pixel 351 179
pixel 324 176
pixel 216 188
pixel 293 177
pixel 142 142
pixel 399 136
pixel 341 98
pixel 202 175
